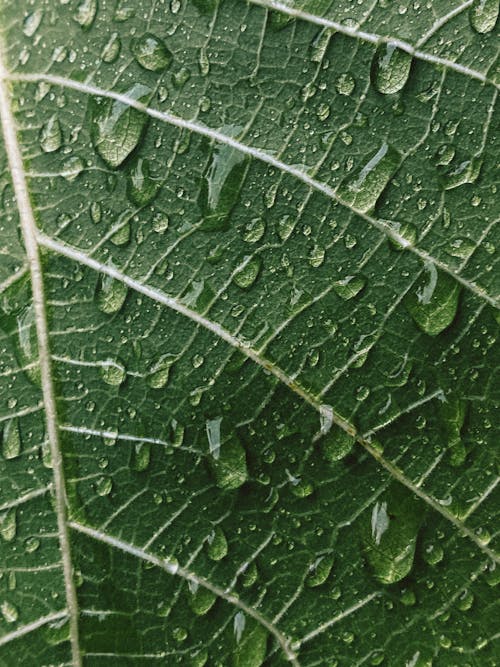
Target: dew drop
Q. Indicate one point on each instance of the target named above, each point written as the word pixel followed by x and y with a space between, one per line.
pixel 230 468
pixel 71 168
pixel 27 346
pixel 8 524
pixel 31 544
pixel 250 646
pixel 217 544
pixel 32 22
pixel 247 272
pixel 349 287
pixel 141 187
pixel 390 68
pixel 117 127
pixel 320 570
pixel 220 186
pixel 104 486
pixel 434 304
pixel 85 13
pixel 112 48
pixel 9 612
pixel 433 554
pixel 159 372
pixel 201 600
pixel 466 172
pixel 111 294
pixel 51 135
pixel 483 15
pixel 337 444
pixel 345 84
pixel 254 230
pixel 151 53
pixel 140 456
pixel 11 445
pixel 362 188
pixel 113 372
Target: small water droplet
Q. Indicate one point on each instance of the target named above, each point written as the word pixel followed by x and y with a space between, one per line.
pixel 159 372
pixel 151 52
pixel 390 69
pixel 345 84
pixel 349 287
pixel 466 172
pixel 230 468
pixel 483 15
pixel 31 544
pixel 72 167
pixel 320 570
pixel 201 600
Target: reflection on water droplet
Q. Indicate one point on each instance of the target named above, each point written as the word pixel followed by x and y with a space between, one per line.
pixel 151 52
pixel 213 434
pixel 117 127
pixel 254 230
pixel 11 445
pixel 72 167
pixel 320 45
pixel 390 69
pixel 221 184
pixel 159 371
pixel 31 544
pixel 483 15
pixel 349 287
pixel 51 135
pixel 434 304
pixel 390 536
pixel 239 625
pixel 246 274
pixel 85 13
pixel 27 345
pixel 362 188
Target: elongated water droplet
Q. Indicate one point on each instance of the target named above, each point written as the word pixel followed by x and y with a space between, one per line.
pixel 51 135
pixel 250 575
pixel 85 13
pixel 434 304
pixel 217 544
pixel 151 52
pixel 362 188
pixel 245 276
pixel 112 48
pixel 250 645
pixel 117 127
pixel 27 345
pixel 141 456
pixel 466 172
pixel 32 22
pixel 9 612
pixel 8 524
pixel 320 570
pixel 159 371
pixel 483 15
pixel 221 185
pixel 390 534
pixel 11 446
pixel 390 69
pixel 201 600
pixel 113 372
pixel 337 444
pixel 141 187
pixel 349 287
pixel 230 468
pixel 111 294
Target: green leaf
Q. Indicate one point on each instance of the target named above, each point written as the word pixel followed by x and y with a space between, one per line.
pixel 248 316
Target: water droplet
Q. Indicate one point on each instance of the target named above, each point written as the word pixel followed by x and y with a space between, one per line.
pixel 181 77
pixel 250 575
pixel 8 524
pixel 433 554
pixel 434 304
pixel 230 468
pixel 320 45
pixel 217 544
pixel 117 127
pixel 445 155
pixel 320 570
pixel 113 372
pixel 465 600
pixel 151 52
pixel 140 456
pixel 362 188
pixel 27 346
pixel 32 22
pixel 159 371
pixel 466 172
pixel 349 287
pixel 51 135
pixel 254 230
pixel 250 646
pixel 390 69
pixel 483 15
pixel 104 486
pixel 337 444
pixel 31 544
pixel 112 48
pixel 345 84
pixel 220 186
pixel 390 536
pixel 111 294
pixel 203 62
pixel 141 187
pixel 85 13
pixel 213 434
pixel 72 167
pixel 201 600
pixel 323 111
pixel 316 256
pixel 11 446
pixel 452 412
pixel 247 272
pixel 9 612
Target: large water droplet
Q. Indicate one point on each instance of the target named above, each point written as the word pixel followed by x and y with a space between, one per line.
pixel 201 600
pixel 466 172
pixel 390 536
pixel 51 135
pixel 483 15
pixel 27 345
pixel 113 372
pixel 434 304
pixel 337 444
pixel 9 612
pixel 217 544
pixel 320 570
pixel 104 486
pixel 11 445
pixel 8 524
pixel 85 13
pixel 390 69
pixel 32 22
pixel 250 645
pixel 112 48
pixel 111 294
pixel 117 127
pixel 362 188
pixel 230 468
pixel 349 287
pixel 141 188
pixel 246 274
pixel 159 371
pixel 140 456
pixel 221 185
pixel 453 411
pixel 151 52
